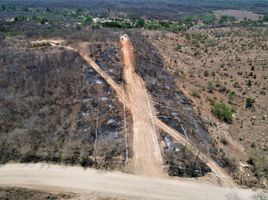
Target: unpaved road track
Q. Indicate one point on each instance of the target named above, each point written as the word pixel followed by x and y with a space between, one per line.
pixel 147 155
pixel 81 181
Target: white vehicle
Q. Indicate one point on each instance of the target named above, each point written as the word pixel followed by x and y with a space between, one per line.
pixel 123 37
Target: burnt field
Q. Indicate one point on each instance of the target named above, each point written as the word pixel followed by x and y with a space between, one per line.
pixel 176 110
pixel 14 193
pixel 55 108
pixel 179 160
pixel 173 107
pixel 110 61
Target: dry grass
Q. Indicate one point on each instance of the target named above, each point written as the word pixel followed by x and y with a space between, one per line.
pixel 228 65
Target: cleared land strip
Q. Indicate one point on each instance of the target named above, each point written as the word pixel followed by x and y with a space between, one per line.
pixel 224 178
pixel 147 155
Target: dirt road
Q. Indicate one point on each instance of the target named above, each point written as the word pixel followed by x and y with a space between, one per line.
pixel 79 180
pixel 147 155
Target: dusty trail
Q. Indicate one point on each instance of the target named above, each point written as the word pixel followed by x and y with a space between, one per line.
pixel 134 79
pixel 147 155
pixel 117 184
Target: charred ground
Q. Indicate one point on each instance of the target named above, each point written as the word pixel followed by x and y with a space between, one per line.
pixel 54 107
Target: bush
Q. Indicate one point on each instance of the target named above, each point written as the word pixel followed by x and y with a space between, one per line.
pixel 226 19
pixel 210 87
pixel 140 23
pixel 265 18
pixel 210 43
pixel 196 94
pixel 208 19
pixel 223 112
pixel 178 47
pixel 231 96
pixel 250 102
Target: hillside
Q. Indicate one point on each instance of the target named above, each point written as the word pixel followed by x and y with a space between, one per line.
pixel 230 66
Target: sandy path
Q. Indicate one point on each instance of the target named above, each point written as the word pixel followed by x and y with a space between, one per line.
pixel 147 155
pixel 79 180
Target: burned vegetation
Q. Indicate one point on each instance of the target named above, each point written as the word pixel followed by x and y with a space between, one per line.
pixel 180 161
pixel 14 193
pixel 56 108
pixel 176 110
pixel 110 61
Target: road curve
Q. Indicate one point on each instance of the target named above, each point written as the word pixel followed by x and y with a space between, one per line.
pixel 82 181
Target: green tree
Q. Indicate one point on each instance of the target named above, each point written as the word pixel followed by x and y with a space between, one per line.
pixel 208 19
pixel 188 21
pixel 43 20
pixel 140 23
pixel 3 7
pixel 223 112
pixel 88 20
pixel 178 47
pixel 227 19
pixel 265 18
pixel 210 87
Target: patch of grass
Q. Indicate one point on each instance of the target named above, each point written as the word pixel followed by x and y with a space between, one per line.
pixel 231 96
pixel 196 94
pixel 163 25
pixel 210 87
pixel 265 18
pixel 226 19
pixel 208 19
pixel 210 43
pixel 178 47
pixel 223 112
pixel 259 162
pixel 199 37
pixel 9 31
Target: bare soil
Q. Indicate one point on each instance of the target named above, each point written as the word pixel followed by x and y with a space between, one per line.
pixel 113 184
pixel 147 155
